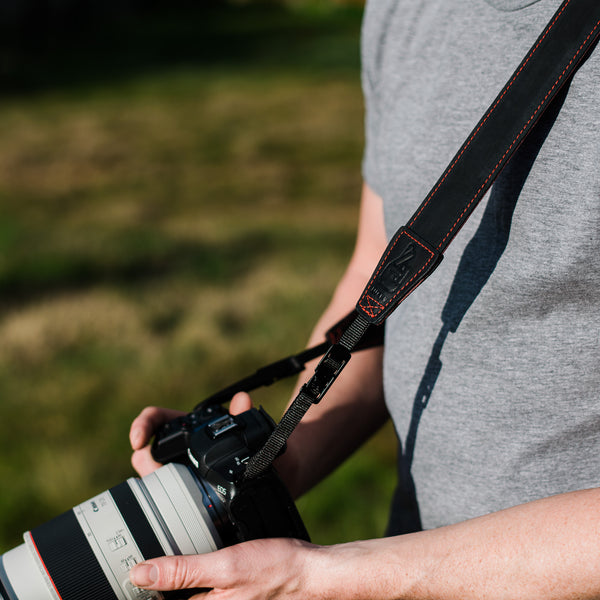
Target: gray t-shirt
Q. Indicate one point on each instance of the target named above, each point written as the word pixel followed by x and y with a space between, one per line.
pixel 492 370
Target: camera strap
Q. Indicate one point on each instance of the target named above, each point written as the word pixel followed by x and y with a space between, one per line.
pixel 294 364
pixel 417 248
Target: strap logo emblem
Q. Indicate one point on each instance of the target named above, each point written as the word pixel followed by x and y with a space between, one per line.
pixel 406 262
pixel 395 273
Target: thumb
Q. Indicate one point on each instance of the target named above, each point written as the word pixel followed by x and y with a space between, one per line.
pixel 240 403
pixel 168 573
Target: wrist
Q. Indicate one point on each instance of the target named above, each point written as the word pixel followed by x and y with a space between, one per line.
pixel 367 570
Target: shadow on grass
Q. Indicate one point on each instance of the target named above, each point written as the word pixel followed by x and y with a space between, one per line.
pixel 139 257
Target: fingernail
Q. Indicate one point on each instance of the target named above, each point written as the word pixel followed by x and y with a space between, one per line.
pixel 143 575
pixel 136 438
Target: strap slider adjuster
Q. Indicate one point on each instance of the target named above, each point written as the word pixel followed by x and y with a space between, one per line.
pixel 330 366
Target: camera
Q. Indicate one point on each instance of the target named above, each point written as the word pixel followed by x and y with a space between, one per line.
pixel 198 502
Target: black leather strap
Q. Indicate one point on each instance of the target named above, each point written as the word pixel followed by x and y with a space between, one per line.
pixel 417 248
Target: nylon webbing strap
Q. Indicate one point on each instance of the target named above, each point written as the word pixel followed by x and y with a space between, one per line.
pixel 417 249
pixel 267 375
pixel 294 364
pixel 326 372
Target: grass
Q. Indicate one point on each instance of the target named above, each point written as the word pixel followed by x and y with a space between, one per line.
pixel 169 223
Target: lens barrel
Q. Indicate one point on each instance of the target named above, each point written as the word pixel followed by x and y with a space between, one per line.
pixel 87 552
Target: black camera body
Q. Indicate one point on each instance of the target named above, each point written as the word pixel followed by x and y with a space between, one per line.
pixel 199 501
pixel 216 446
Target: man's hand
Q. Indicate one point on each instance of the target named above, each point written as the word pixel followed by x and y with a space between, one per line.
pixel 273 569
pixel 151 418
pixel 256 570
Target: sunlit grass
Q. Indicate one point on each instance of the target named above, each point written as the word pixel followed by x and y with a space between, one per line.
pixel 161 236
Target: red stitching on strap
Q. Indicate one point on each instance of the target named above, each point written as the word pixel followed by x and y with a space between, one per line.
pixel 371 306
pixel 541 104
pixel 489 113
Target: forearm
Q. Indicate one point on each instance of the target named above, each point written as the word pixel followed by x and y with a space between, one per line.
pixel 353 408
pixel 545 550
pixel 548 549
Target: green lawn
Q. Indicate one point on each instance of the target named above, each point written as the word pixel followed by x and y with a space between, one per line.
pixel 178 195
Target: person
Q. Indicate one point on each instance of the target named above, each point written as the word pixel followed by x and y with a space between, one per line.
pixel 490 368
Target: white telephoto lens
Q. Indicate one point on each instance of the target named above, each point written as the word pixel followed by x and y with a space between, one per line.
pixel 87 552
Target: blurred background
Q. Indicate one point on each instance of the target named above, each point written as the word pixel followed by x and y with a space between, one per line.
pixel 179 186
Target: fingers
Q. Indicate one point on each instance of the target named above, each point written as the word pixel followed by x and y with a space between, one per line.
pixel 258 569
pixel 151 418
pixel 240 403
pixel 141 432
pixel 143 462
pixel 172 573
pixel 147 422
